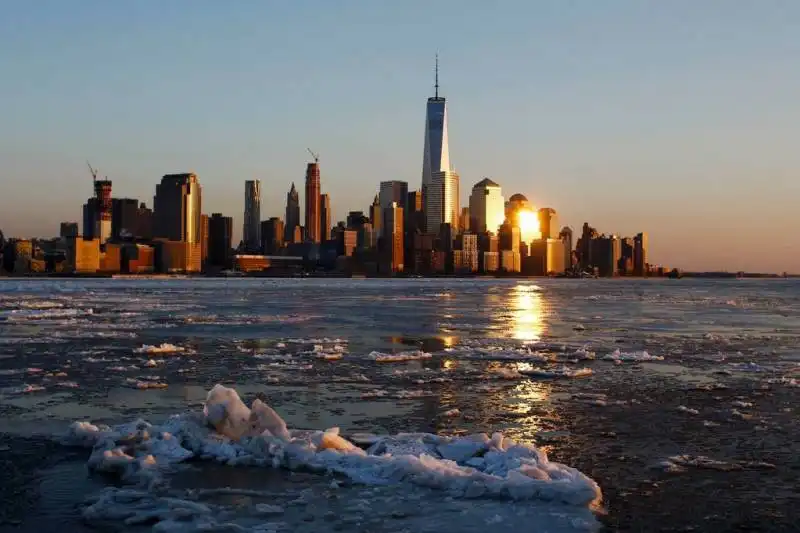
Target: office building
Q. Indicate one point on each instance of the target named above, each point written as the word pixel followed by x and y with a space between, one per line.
pixel 442 201
pixel 545 257
pixel 414 216
pixel 130 219
pixel 356 219
pixel 466 260
pixel 325 217
pixel 393 237
pixel 516 204
pixel 393 192
pixel 640 255
pixel 439 194
pixel 464 220
pixel 509 237
pixel 177 208
pixel 313 203
pixel 83 255
pixel 272 233
pixel 220 235
pixel 606 252
pixel 292 220
pixel 346 242
pixel 566 238
pixel 68 229
pixel 486 206
pixel 203 239
pixel 548 223
pixel 626 260
pixel 251 227
pixel 177 256
pixel 376 215
pixel 17 255
pixel 510 261
pixel 584 246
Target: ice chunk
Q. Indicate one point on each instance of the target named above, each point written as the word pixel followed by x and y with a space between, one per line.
pixel 618 356
pixel 161 348
pixel 554 372
pixel 226 412
pixel 264 418
pixel 400 357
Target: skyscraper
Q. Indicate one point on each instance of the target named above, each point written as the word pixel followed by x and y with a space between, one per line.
pixel 97 212
pixel 436 160
pixel 640 255
pixel 376 215
pixel 292 213
pixel 313 202
pixel 393 237
pixel 393 191
pixel 548 223
pixel 251 228
pixel 272 235
pixel 324 217
pixel 220 235
pixel 486 207
pixel 566 237
pixel 441 201
pixel 176 208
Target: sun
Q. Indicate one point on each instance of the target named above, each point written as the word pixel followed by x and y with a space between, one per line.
pixel 529 225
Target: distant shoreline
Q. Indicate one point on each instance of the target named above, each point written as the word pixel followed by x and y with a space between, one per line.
pixel 690 275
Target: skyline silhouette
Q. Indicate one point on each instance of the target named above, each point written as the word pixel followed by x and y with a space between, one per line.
pixel 673 119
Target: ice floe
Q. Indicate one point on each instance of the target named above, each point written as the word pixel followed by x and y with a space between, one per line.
pixel 229 432
pixel 159 349
pixel 400 357
pixel 616 355
pixel 555 372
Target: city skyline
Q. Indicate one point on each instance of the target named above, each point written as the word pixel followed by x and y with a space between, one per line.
pixel 603 141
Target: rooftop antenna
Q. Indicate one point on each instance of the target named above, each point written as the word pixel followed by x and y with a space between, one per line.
pixel 436 71
pixel 315 156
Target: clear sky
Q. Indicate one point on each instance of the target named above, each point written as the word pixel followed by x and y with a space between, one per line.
pixel 678 118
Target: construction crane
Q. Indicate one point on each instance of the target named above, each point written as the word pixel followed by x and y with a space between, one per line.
pixel 315 156
pixel 92 170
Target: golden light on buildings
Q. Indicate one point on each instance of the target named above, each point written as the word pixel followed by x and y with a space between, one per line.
pixel 529 225
pixel 527 313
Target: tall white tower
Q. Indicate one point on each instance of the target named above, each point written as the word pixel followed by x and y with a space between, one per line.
pixel 437 191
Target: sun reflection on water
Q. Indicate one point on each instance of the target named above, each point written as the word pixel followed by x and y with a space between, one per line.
pixel 527 313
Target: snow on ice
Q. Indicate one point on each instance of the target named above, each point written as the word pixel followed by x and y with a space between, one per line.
pixel 229 432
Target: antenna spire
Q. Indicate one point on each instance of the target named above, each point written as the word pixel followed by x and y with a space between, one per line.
pixel 436 73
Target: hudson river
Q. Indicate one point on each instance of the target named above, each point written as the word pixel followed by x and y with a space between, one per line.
pixel 675 399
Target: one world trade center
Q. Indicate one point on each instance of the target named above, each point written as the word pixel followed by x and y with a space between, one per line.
pixel 439 182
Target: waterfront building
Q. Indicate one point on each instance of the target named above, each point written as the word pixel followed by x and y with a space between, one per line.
pixel 68 229
pixel 292 220
pixel 640 254
pixel 325 217
pixel 272 232
pixel 566 237
pixel 393 237
pixel 486 206
pixel 220 237
pixel 251 227
pixel 548 223
pixel 312 203
pixel 177 208
pixel 545 257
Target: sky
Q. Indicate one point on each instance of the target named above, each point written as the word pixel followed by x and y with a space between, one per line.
pixel 680 118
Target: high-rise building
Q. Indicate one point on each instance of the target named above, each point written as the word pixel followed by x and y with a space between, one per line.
pixel 356 219
pixel 584 246
pixel 467 260
pixel 546 257
pixel 251 227
pixel 203 239
pixel 414 216
pixel 376 215
pixel 627 255
pixel 68 229
pixel 640 254
pixel 548 223
pixel 97 212
pixel 177 208
pixel 509 237
pixel 292 214
pixel 437 194
pixel 272 233
pixel 313 202
pixel 124 218
pixel 393 192
pixel 325 217
pixel 464 220
pixel 220 237
pixel 393 237
pixel 566 237
pixel 486 206
pixel 441 201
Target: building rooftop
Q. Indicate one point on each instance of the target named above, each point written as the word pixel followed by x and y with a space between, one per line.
pixel 518 198
pixel 485 182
